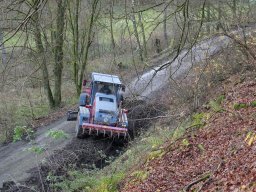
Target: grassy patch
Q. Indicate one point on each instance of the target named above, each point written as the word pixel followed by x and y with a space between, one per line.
pixel 89 181
pixel 215 105
pixel 36 149
pixel 250 138
pixel 155 154
pixel 200 119
pixel 238 106
pixel 185 142
pixel 180 130
pixel 253 104
pixel 57 134
pixel 140 175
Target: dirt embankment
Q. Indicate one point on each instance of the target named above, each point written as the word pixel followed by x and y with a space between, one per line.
pixel 218 156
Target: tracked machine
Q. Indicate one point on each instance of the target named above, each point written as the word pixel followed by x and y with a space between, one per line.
pixel 100 108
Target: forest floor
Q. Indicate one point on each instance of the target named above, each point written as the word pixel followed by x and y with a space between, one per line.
pixel 216 153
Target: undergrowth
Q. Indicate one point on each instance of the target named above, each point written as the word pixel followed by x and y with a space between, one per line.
pixel 141 150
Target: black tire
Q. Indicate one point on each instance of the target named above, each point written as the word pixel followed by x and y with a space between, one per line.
pixel 68 116
pixel 79 131
pixel 71 116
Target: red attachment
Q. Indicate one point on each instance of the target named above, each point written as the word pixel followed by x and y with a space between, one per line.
pixel 104 128
pixel 88 106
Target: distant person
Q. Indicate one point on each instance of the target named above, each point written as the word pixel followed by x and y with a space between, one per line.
pixel 105 89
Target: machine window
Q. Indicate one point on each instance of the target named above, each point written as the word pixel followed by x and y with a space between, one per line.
pixel 106 99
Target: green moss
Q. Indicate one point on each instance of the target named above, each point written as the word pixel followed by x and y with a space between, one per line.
pixel 140 175
pixel 198 120
pixel 180 130
pixel 238 106
pixel 156 154
pixel 185 142
pixel 201 147
pixel 220 99
pixel 215 106
pixel 253 103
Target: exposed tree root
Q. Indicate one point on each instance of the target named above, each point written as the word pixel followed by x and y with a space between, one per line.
pixel 205 177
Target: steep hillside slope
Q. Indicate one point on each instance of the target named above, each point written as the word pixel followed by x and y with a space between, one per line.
pixel 217 152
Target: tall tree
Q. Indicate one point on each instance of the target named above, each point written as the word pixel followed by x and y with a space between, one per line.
pixel 165 26
pixel 143 35
pixel 234 9
pixel 54 98
pixel 2 47
pixel 208 17
pixel 58 49
pixel 136 33
pixel 82 36
pixel 41 52
pixel 111 12
pixel 74 26
pixel 90 27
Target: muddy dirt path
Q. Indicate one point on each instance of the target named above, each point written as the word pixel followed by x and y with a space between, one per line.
pixel 17 158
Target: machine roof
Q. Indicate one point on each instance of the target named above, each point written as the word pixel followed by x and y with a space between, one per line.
pixel 106 78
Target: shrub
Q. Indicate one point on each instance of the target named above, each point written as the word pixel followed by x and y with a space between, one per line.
pixel 21 131
pixel 36 149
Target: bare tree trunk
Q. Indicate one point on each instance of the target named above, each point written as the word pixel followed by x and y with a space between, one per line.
pixel 219 17
pixel 165 27
pixel 129 31
pixel 248 10
pixel 76 39
pixel 41 53
pixel 136 32
pixel 208 15
pixel 88 41
pixel 61 6
pixel 75 35
pixel 143 35
pixel 111 31
pixel 98 45
pixel 2 48
pixel 234 7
